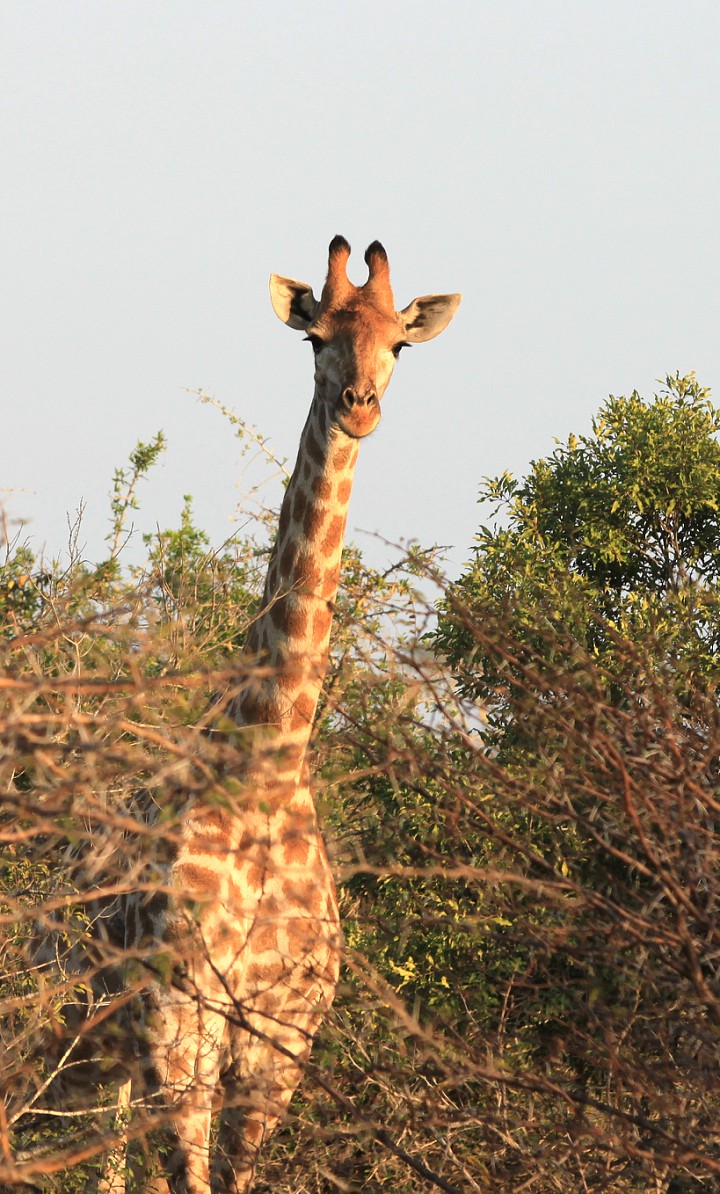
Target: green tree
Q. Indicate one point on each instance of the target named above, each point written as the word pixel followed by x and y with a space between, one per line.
pixel 614 536
pixel 586 629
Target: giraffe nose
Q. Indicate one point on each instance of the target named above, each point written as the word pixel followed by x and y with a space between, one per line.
pixel 350 399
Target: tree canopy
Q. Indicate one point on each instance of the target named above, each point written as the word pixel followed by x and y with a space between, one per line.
pixel 615 535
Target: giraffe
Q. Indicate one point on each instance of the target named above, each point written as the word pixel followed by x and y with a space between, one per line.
pixel 259 951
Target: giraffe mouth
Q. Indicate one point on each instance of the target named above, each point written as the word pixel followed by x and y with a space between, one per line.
pixel 357 424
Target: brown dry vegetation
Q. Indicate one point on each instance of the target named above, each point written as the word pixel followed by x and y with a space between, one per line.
pixel 531 988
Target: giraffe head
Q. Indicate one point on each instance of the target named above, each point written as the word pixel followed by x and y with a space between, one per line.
pixel 356 334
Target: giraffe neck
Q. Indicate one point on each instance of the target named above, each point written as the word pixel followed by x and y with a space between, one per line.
pixel 291 635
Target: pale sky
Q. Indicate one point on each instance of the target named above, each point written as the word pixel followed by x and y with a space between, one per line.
pixel 557 162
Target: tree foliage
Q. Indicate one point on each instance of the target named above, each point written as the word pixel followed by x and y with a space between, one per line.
pixel 614 536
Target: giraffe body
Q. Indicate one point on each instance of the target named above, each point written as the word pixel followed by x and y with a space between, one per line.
pixel 238 1024
pixel 251 921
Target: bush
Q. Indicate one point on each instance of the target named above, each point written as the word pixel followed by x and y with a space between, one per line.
pixel 521 806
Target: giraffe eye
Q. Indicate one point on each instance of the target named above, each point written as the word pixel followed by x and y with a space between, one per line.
pixel 399 347
pixel 316 343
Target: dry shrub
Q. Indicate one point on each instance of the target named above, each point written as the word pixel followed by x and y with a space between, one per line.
pixel 530 990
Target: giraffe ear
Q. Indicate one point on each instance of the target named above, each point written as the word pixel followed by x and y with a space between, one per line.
pixel 428 316
pixel 293 302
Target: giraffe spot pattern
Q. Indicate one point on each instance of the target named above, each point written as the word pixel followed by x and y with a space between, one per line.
pixel 308 573
pixel 266 974
pixel 342 457
pixel 296 850
pixel 217 819
pixel 299 506
pixel 267 1004
pixel 302 935
pixel 264 937
pixel 343 491
pixel 303 893
pixel 285 519
pixel 254 877
pixel 297 618
pixel 313 448
pixel 196 879
pixel 330 582
pixel 322 620
pixel 313 522
pixel 304 708
pixel 271 582
pixel 287 558
pixel 334 535
pixel 289 615
pixel 322 487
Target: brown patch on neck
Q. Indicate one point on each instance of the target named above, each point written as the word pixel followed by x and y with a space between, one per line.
pixel 314 520
pixel 303 712
pixel 334 535
pixel 288 615
pixel 343 456
pixel 343 492
pixel 322 620
pixel 300 503
pixel 313 448
pixel 322 487
pixel 330 583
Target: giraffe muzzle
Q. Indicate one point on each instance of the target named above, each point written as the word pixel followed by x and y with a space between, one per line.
pixel 357 414
pixel 351 400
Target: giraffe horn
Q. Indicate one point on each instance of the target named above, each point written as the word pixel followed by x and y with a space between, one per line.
pixel 337 279
pixel 379 271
